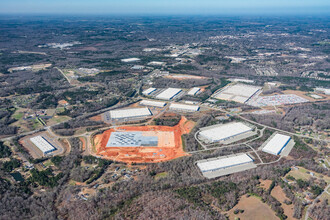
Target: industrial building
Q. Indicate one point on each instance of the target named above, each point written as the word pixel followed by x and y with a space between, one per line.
pixel 134 59
pixel 221 166
pixel 194 91
pixel 168 94
pixel 43 145
pixel 223 132
pixel 221 163
pixel 153 103
pixel 131 139
pixel 148 91
pixel 130 113
pixel 239 93
pixel 183 107
pixel 276 144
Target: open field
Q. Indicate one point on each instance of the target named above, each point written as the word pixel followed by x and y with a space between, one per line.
pixel 169 144
pixel 278 194
pixel 301 173
pixel 265 184
pixel 253 209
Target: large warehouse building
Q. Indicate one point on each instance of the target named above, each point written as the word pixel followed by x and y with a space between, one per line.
pixel 194 91
pixel 168 94
pixel 130 113
pixel 239 93
pixel 183 107
pixel 153 103
pixel 43 145
pixel 221 166
pixel 276 144
pixel 223 132
pixel 148 91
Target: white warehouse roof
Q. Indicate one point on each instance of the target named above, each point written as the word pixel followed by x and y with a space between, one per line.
pixel 168 94
pixel 42 144
pixel 148 91
pixel 153 103
pixel 194 91
pixel 276 144
pixel 130 113
pixel 176 106
pixel 224 131
pixel 221 163
pixel 133 59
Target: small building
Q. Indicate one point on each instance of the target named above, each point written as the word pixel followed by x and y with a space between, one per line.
pixel 168 94
pixel 276 144
pixel 44 146
pixel 157 104
pixel 130 113
pixel 194 91
pixel 183 107
pixel 148 91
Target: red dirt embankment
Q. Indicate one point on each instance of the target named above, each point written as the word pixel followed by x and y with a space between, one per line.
pixel 169 144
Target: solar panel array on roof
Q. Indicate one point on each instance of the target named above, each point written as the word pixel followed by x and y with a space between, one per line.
pixel 42 144
pixel 222 163
pixel 131 139
pixel 276 144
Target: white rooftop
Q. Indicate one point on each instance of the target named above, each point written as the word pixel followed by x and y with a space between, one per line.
pixel 221 163
pixel 153 103
pixel 148 91
pixel 224 131
pixel 241 90
pixel 129 113
pixel 193 91
pixel 168 94
pixel 276 144
pixel 42 144
pixel 184 107
pixel 133 59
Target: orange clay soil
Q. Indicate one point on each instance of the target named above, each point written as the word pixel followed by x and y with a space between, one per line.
pixel 167 149
pixel 96 118
pixel 83 141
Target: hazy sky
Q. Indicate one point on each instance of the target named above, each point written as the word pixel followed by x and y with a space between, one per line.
pixel 166 6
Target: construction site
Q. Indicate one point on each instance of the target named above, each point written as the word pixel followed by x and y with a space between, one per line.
pixel 142 144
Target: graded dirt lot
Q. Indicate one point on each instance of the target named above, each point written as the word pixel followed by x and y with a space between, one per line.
pixel 253 209
pixel 278 194
pixel 265 184
pixel 169 144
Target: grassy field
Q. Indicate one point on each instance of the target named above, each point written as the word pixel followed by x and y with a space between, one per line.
pixel 301 173
pixel 161 175
pixel 253 208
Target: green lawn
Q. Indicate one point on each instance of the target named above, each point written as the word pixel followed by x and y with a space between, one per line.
pixel 161 175
pixel 18 115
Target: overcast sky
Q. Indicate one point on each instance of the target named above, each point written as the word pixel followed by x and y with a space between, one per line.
pixel 162 7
